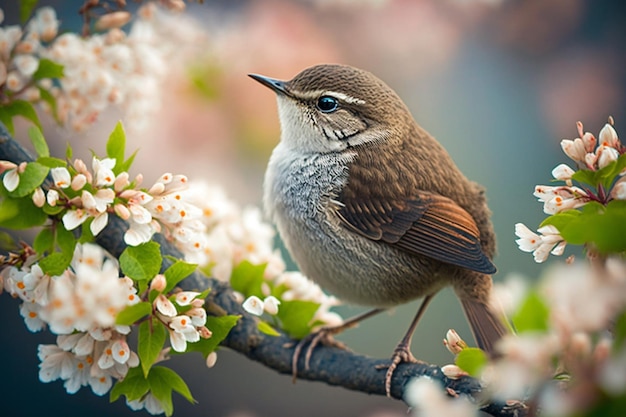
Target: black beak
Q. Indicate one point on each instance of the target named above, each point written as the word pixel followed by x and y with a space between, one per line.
pixel 277 86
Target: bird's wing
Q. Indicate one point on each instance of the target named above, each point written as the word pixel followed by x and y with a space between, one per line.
pixel 426 224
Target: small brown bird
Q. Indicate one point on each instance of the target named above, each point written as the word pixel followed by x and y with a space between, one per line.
pixel 372 207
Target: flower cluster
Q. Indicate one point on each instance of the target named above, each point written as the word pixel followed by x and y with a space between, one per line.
pixel 593 157
pixel 99 71
pixel 226 236
pixel 582 302
pixel 93 194
pixel 182 328
pixel 80 306
pixel 20 54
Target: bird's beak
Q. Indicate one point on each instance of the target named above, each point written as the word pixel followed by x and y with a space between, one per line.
pixel 277 85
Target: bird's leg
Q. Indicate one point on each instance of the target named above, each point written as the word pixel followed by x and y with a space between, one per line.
pixel 402 352
pixel 325 336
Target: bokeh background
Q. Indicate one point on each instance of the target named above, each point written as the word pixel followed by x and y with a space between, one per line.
pixel 498 82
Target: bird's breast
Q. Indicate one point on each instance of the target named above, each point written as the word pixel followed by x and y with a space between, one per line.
pixel 300 194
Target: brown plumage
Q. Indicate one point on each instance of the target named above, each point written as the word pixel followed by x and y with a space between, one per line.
pixel 371 206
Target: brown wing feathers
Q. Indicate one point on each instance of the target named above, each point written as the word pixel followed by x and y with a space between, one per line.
pixel 427 224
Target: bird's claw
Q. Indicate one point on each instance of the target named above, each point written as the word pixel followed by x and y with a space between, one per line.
pixel 401 354
pixel 323 336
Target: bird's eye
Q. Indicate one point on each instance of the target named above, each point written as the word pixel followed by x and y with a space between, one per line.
pixel 327 104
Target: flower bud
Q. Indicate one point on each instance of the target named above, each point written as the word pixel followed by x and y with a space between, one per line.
pixel 122 211
pixel 619 189
pixel 253 305
pixel 112 20
pixel 165 306
pixel 563 172
pixel 158 283
pixel 453 342
pixel 608 136
pixel 270 305
pixel 453 371
pixel 121 181
pixel 606 155
pixel 204 332
pixel 78 182
pixel 211 359
pixel 52 197
pixel 39 198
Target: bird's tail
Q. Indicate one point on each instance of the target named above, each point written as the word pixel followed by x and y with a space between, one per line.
pixel 486 326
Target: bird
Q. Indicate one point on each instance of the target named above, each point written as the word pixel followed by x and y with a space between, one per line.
pixel 372 208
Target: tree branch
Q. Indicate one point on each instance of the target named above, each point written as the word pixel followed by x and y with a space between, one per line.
pixel 331 365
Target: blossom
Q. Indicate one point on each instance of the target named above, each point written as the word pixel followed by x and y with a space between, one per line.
pixel 427 398
pixel 541 245
pixel 11 179
pixel 61 177
pixel 253 305
pixel 182 330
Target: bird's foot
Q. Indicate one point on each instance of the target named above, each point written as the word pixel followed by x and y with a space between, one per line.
pixel 401 354
pixel 323 336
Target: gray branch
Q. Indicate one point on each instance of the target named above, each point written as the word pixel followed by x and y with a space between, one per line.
pixel 331 365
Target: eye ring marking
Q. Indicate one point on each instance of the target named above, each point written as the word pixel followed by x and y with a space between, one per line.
pixel 327 104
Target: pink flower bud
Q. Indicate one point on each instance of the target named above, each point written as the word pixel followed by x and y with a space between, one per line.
pixel 211 359
pixel 453 371
pixel 78 182
pixel 122 211
pixel 453 342
pixel 158 283
pixel 112 20
pixel 39 198
pixel 204 332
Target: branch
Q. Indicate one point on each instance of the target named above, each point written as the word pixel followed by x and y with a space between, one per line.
pixel 331 365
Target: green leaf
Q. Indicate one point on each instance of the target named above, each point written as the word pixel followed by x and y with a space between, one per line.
pixel 19 213
pixel 471 360
pixel 44 241
pixel 133 313
pixel 172 380
pixel 162 381
pixel 265 328
pixel 133 386
pixel 65 239
pixel 176 273
pixel 68 152
pixel 296 317
pixel 220 327
pixel 39 143
pixel 7 119
pixel 51 162
pixel 150 342
pixel 21 108
pixel 603 226
pixel 609 173
pixel 586 176
pixel 125 166
pixel 247 278
pixel 32 177
pixel 532 314
pixel 141 262
pixel 48 69
pixel 116 146
pixel 7 242
pixel 56 263
pixel 26 9
pixel 86 236
pixel 47 97
pixel 619 332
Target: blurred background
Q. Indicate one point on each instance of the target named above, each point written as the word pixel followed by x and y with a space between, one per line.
pixel 498 82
